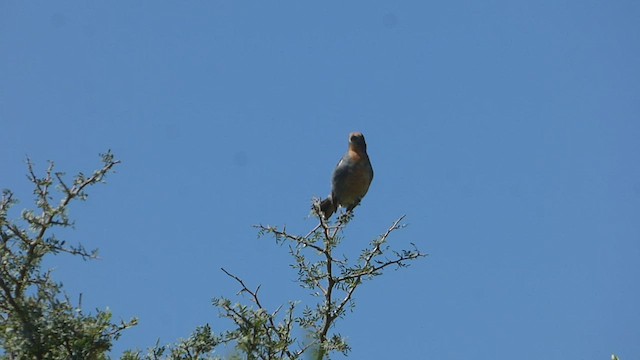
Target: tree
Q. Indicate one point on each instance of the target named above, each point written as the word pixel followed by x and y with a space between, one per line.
pixel 261 333
pixel 37 320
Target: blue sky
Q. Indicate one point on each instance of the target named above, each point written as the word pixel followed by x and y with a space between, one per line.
pixel 506 131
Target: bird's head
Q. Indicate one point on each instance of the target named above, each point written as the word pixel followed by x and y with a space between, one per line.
pixel 356 142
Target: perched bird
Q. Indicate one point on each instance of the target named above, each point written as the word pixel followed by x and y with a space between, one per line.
pixel 351 178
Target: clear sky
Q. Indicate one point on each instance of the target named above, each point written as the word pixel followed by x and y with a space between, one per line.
pixel 508 132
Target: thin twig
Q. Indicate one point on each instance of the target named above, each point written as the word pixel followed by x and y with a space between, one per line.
pixel 314 230
pixel 254 294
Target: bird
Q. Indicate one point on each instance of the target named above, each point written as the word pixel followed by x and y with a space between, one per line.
pixel 351 178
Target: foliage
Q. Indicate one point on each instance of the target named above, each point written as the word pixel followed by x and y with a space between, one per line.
pixel 199 345
pixel 333 279
pixel 37 320
pixel 258 333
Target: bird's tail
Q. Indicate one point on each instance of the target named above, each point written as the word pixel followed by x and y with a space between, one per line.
pixel 328 207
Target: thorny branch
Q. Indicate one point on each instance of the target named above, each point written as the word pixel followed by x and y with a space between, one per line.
pixel 50 217
pixel 336 280
pixel 22 252
pixel 271 326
